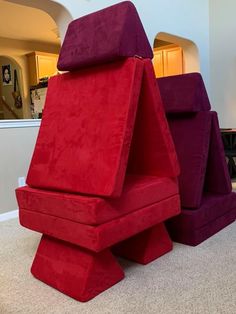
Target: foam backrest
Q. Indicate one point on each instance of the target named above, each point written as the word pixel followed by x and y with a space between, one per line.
pixel 191 135
pixel 217 175
pixel 152 150
pixel 184 93
pixel 86 130
pixel 103 36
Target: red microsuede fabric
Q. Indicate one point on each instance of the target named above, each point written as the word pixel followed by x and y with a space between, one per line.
pixel 152 149
pixel 194 226
pixel 97 238
pixel 104 36
pixel 191 135
pixel 77 272
pixel 146 246
pixel 217 178
pixel 138 192
pixel 85 134
pixel 184 93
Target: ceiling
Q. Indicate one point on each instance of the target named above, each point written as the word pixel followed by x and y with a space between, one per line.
pixel 25 23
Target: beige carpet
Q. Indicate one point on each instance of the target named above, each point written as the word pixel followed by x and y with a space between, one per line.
pixel 188 280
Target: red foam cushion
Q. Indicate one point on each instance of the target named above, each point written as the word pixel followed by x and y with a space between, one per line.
pixel 97 238
pixel 85 134
pixel 139 191
pixel 152 149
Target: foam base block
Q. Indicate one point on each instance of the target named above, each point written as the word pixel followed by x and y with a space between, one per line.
pixel 98 238
pixel 80 274
pixel 146 246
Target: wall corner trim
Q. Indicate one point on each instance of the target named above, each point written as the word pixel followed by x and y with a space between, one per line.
pixel 9 215
pixel 24 123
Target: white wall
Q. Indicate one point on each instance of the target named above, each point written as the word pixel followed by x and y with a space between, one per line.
pixel 223 60
pixel 16 147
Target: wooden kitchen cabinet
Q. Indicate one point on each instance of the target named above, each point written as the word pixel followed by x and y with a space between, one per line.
pixel 40 65
pixel 158 63
pixel 168 60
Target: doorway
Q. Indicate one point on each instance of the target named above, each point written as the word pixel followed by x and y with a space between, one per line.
pixel 32 40
pixel 174 55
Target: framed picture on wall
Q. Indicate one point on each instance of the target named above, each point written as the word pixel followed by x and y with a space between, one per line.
pixel 6 75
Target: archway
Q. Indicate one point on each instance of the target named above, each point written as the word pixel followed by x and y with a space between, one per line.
pixel 187 54
pixel 57 11
pixel 17 48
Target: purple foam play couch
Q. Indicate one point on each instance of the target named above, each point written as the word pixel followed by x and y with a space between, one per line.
pixel 207 201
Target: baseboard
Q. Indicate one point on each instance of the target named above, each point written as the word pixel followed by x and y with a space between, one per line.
pixel 9 215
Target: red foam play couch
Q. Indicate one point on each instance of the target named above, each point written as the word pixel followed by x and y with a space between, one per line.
pixel 103 176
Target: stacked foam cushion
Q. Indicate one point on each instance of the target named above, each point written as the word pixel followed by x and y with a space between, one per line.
pixel 104 168
pixel 208 203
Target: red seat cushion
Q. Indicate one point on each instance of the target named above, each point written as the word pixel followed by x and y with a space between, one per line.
pixel 152 149
pixel 97 238
pixel 139 191
pixel 86 130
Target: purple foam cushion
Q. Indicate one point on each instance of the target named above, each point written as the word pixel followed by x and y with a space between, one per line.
pixel 217 179
pixel 191 135
pixel 184 93
pixel 194 226
pixel 104 36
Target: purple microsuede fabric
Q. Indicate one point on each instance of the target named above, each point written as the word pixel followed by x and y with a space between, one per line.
pixel 208 205
pixel 194 226
pixel 184 93
pixel 191 135
pixel 217 178
pixel 103 36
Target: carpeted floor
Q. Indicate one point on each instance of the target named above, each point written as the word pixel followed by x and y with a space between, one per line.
pixel 200 280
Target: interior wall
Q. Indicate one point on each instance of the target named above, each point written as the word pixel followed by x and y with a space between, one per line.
pixel 15 150
pixel 223 60
pixel 17 143
pixel 17 49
